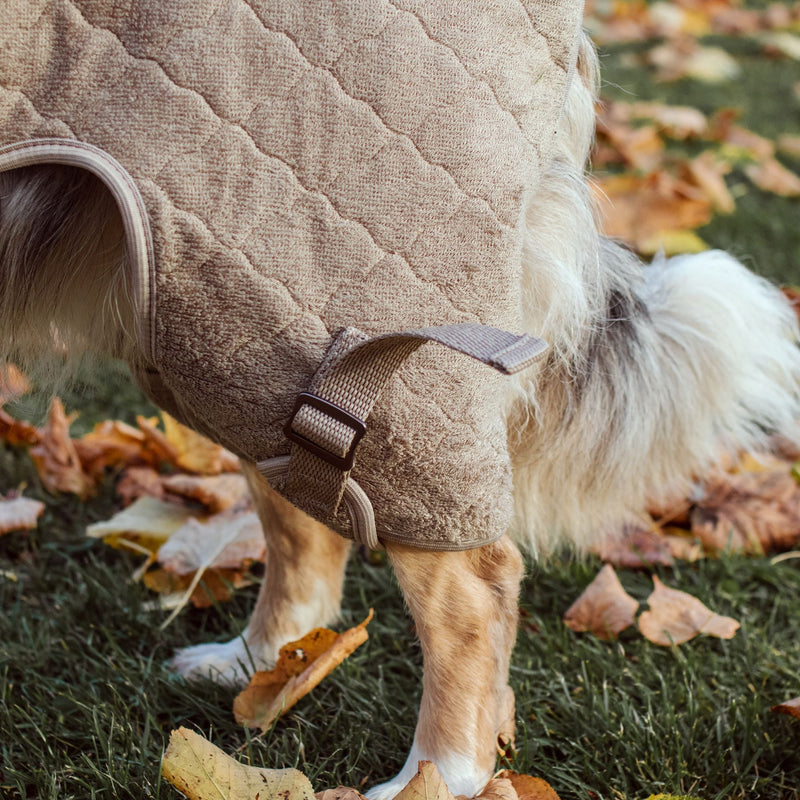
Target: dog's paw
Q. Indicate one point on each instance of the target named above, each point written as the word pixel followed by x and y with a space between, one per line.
pixel 228 663
pixel 460 773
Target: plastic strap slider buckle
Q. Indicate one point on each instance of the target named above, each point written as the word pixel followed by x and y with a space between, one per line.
pixel 358 426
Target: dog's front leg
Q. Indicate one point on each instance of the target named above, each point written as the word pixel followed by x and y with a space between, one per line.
pixel 301 590
pixel 465 608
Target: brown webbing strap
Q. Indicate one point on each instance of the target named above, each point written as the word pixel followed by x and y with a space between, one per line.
pixel 330 419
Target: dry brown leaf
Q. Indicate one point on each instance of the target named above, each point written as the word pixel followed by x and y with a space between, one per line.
pixel 752 512
pixel 686 58
pixel 16 432
pixel 216 492
pixel 771 176
pixel 340 793
pixel 209 588
pixel 158 447
pixel 427 784
pixel 223 541
pixel 19 513
pixel 56 458
pixel 202 771
pixel 13 383
pixel 642 210
pixel 111 444
pixel 147 522
pixel 136 482
pixel 676 617
pixel 498 789
pixel 196 453
pixel 604 608
pixel 682 546
pixel 301 666
pixel 708 172
pixel 677 122
pixel 528 787
pixel 791 707
pixel 636 547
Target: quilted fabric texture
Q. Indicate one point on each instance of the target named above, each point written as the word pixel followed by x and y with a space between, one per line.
pixel 307 166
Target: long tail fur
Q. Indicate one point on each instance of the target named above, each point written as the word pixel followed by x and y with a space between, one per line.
pixel 655 371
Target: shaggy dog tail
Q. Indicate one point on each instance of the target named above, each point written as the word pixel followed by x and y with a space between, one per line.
pixel 63 274
pixel 698 357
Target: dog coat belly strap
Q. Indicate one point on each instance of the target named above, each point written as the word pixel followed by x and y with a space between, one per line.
pixel 329 419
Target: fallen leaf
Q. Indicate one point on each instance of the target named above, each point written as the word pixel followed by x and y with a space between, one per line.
pixel 640 210
pixel 685 58
pixel 202 771
pixel 672 243
pixel 604 608
pixel 13 383
pixel 751 512
pixel 771 176
pixel 791 707
pixel 201 589
pixel 161 450
pixel 708 172
pixel 528 787
pixel 110 444
pixel 301 666
pixel 636 547
pixel 682 546
pixel 226 540
pixel 340 793
pixel 196 453
pixel 136 482
pixel 427 784
pixel 56 458
pixel 216 492
pixel 677 122
pixel 19 513
pixel 147 522
pixel 16 432
pixel 781 43
pixel 675 617
pixel 497 789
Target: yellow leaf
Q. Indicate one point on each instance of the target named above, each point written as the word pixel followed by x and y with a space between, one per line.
pixel 196 453
pixel 676 617
pixel 672 243
pixel 301 666
pixel 604 608
pixel 528 787
pixel 147 521
pixel 202 771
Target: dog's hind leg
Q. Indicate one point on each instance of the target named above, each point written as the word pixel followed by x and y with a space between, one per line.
pixel 301 590
pixel 465 608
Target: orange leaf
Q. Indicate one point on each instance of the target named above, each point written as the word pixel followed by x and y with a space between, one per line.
pixel 707 172
pixel 771 176
pixel 604 608
pixel 636 547
pixel 111 444
pixel 791 707
pixel 301 666
pixel 751 512
pixel 196 453
pixel 17 433
pixel 19 513
pixel 528 787
pixel 216 492
pixel 57 459
pixel 215 585
pixel 676 617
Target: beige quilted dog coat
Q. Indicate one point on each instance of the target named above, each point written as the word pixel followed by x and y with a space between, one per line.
pixel 297 178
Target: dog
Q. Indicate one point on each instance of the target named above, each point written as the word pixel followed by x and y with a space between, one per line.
pixel 654 371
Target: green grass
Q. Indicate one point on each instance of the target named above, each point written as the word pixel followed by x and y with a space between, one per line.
pixel 86 703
